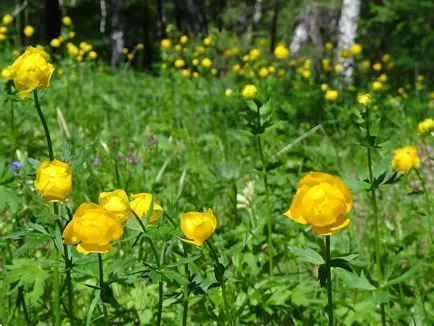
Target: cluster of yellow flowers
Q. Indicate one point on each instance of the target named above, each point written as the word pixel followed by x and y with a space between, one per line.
pixel 426 127
pixel 7 19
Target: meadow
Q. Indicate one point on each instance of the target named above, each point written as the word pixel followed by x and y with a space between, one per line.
pixel 225 126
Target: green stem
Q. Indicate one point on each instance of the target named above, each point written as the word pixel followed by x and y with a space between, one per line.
pixel 44 125
pixel 101 286
pixel 223 286
pixel 68 268
pixel 186 296
pixel 267 202
pixel 376 225
pixel 428 203
pixel 329 282
pixel 157 262
pixel 56 299
pixel 235 194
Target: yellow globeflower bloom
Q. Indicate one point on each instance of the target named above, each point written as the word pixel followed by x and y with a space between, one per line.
pixel 31 71
pixel 356 49
pixel 236 68
pixel 92 55
pixel 3 29
pixel 321 200
pixel 195 61
pixel 67 21
pixel 281 52
pixel 71 34
pixel 249 92
pixel 331 95
pixel 130 56
pixel 16 53
pixel 364 98
pixel 207 41
pixel 339 68
pixel 264 72
pixel 386 58
pixel 183 39
pixel 92 228
pixel 328 46
pixel 405 158
pixel 198 227
pixel 326 63
pixel 29 31
pixel 186 72
pixel 254 54
pixel 382 78
pixel 7 19
pixel 423 128
pixel 72 48
pixel 165 43
pixel 141 204
pixel 377 66
pixel 86 47
pixel 228 92
pixel 54 181
pixel 324 87
pixel 376 85
pixel 179 63
pixel 365 65
pixel 55 43
pixel 306 74
pixel 2 37
pixel 206 62
pixel 345 53
pixel 140 46
pixel 116 202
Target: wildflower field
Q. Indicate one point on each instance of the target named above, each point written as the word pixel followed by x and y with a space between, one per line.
pixel 235 183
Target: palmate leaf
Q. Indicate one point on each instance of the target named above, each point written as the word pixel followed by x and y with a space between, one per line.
pixel 307 255
pixel 354 281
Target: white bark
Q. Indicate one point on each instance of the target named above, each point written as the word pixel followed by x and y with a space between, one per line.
pixel 117 35
pixel 257 14
pixel 347 29
pixel 103 21
pixel 301 35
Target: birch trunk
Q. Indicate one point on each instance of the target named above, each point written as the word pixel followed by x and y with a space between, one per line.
pixel 301 35
pixel 347 33
pixel 117 35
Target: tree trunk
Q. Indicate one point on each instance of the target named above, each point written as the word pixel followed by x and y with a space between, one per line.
pixel 301 35
pixel 161 20
pixel 273 31
pixel 147 32
pixel 53 19
pixel 103 21
pixel 190 17
pixel 347 33
pixel 117 35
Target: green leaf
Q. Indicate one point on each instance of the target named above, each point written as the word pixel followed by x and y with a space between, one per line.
pixel 219 271
pixel 404 276
pixel 307 255
pixel 183 261
pixel 341 263
pixel 354 281
pixel 322 275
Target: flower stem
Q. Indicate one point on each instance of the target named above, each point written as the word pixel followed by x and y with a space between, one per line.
pixel 376 226
pixel 157 262
pixel 68 268
pixel 101 286
pixel 428 203
pixel 186 296
pixel 223 286
pixel 56 299
pixel 329 282
pixel 44 125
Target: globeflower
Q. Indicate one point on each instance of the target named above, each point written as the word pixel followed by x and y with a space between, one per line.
pixel 206 62
pixel 198 227
pixel 31 71
pixel 339 68
pixel 228 92
pixel 29 31
pixel 92 228
pixel 92 55
pixel 7 19
pixel 356 49
pixel 377 66
pixel 364 98
pixel 405 158
pixel 55 43
pixel 141 204
pixel 179 63
pixel 281 52
pixel 207 41
pixel 67 21
pixel 54 181
pixel 254 54
pixel 321 200
pixel 183 39
pixel 249 92
pixel 264 72
pixel 377 85
pixel 425 127
pixel 331 95
pixel 116 202
pixel 328 46
pixel 165 43
pixel 2 37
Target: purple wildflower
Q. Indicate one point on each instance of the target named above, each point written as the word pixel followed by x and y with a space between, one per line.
pixel 17 165
pixel 96 161
pixel 132 158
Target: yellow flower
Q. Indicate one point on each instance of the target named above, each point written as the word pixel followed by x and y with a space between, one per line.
pixel 345 53
pixel 207 41
pixel 405 158
pixel 195 61
pixel 198 227
pixel 31 71
pixel 228 92
pixel 214 71
pixel 7 73
pixel 326 64
pixel 141 204
pixel 178 47
pixel 328 46
pixel 116 202
pixel 356 49
pixel 92 228
pixel 236 68
pixel 71 34
pixel 92 55
pixel 130 56
pixel 271 69
pixel 264 72
pixel 67 21
pixel 183 39
pixel 85 47
pixel 186 72
pixel 200 49
pixel 2 37
pixel 29 31
pixel 376 85
pixel 140 46
pixel 3 29
pixel 377 66
pixel 72 48
pixel 425 127
pixel 7 19
pixel 281 52
pixel 324 87
pixel 206 62
pixel 55 43
pixel 125 51
pixel 179 63
pixel 321 200
pixel 249 92
pixel 386 58
pixel 382 78
pixel 339 68
pixel 254 54
pixel 306 74
pixel 54 180
pixel 365 65
pixel 165 43
pixel 331 95
pixel 364 98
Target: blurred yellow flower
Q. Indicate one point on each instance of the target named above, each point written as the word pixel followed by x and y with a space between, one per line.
pixel 339 68
pixel 423 128
pixel 92 55
pixel 195 61
pixel 281 52
pixel 206 62
pixel 71 34
pixel 54 181
pixel 326 64
pixel 328 46
pixel 405 158
pixel 92 228
pixel 31 71
pixel 386 58
pixel 55 43
pixel 264 72
pixel 165 43
pixel 29 31
pixel 382 78
pixel 85 47
pixel 345 53
pixel 376 85
pixel 306 73
pixel 67 21
pixel 179 63
pixel 141 204
pixel 249 92
pixel 130 56
pixel 364 98
pixel 72 48
pixel 7 19
pixel 377 66
pixel 331 95
pixel 228 92
pixel 254 54
pixel 321 200
pixel 356 49
pixel 236 68
pixel 116 202
pixel 365 65
pixel 324 87
pixel 178 47
pixel 198 227
pixel 2 37
pixel 3 29
pixel 207 41
pixel 140 46
pixel 183 39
